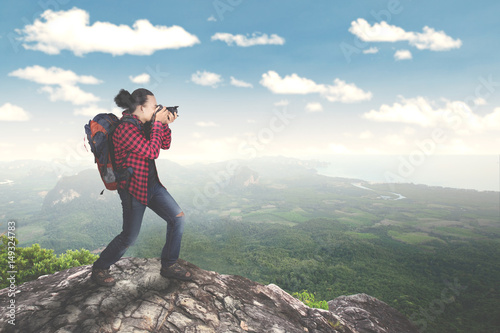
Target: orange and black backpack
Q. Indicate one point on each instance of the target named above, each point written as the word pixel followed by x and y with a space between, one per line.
pixel 99 133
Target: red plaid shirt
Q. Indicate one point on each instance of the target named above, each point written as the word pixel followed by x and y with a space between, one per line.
pixel 128 138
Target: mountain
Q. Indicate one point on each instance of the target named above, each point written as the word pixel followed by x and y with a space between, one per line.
pixel 74 213
pixel 143 301
pixel 23 185
pixel 277 221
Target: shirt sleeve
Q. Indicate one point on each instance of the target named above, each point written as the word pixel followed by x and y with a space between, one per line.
pixel 166 136
pixel 130 138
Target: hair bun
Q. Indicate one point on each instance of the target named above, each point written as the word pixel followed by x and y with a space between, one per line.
pixel 124 99
pixel 129 102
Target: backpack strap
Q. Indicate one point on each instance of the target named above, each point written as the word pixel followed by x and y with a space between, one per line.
pixel 128 119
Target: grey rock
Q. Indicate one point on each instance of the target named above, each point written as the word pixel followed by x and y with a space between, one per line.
pixel 366 314
pixel 143 301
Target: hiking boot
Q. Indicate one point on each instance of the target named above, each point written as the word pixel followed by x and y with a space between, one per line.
pixel 102 277
pixel 176 271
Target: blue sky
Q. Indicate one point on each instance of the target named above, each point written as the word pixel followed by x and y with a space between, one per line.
pixel 295 78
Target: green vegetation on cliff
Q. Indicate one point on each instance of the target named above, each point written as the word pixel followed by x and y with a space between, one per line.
pixel 29 263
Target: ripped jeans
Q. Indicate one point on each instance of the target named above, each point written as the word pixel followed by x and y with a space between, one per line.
pixel 162 203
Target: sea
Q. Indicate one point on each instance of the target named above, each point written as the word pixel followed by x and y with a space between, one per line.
pixel 477 172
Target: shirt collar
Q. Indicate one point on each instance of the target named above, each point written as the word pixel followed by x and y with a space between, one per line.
pixel 131 115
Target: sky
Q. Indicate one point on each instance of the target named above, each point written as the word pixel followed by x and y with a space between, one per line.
pixel 408 81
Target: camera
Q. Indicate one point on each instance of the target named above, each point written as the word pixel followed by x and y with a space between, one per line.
pixel 172 109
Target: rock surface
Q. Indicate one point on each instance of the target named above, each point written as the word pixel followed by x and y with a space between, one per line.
pixel 143 301
pixel 364 313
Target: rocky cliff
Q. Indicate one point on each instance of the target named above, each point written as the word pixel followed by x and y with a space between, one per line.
pixel 143 301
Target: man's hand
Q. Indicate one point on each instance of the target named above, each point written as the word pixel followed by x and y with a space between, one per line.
pixel 164 116
pixel 171 116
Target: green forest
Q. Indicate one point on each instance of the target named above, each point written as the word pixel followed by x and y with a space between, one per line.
pixel 31 262
pixel 453 288
pixel 430 252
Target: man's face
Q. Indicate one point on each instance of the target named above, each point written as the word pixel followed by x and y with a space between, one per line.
pixel 149 107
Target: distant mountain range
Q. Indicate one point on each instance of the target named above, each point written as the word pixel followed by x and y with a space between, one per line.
pixel 51 209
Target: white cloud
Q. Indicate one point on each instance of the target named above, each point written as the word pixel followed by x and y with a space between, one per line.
pixel 206 124
pixel 314 107
pixel 213 149
pixel 290 84
pixel 140 79
pixel 402 55
pixel 293 84
pixel 241 84
pixel 49 151
pixel 7 145
pixel 409 131
pixel 67 156
pixel 206 79
pixel 338 148
pixel 434 40
pixel 59 83
pixel 345 92
pixel 394 140
pixel 283 102
pixel 492 120
pixel 382 32
pixel 245 41
pixel 212 19
pixel 379 32
pixel 39 130
pixel 455 115
pixel 70 30
pixel 371 50
pixel 10 112
pixel 480 101
pixel 93 110
pixel 365 135
pixel 69 93
pixel 53 75
pixel 460 147
pixel 418 111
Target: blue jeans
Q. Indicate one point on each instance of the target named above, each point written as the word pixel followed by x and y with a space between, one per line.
pixel 162 203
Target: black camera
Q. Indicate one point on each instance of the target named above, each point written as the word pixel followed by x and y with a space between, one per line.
pixel 172 109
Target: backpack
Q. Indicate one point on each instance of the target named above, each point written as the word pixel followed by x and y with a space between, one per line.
pixel 99 133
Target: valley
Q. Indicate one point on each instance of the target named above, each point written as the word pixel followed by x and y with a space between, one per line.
pixel 275 220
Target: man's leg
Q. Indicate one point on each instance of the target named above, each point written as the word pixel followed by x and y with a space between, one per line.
pixel 163 204
pixel 133 212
